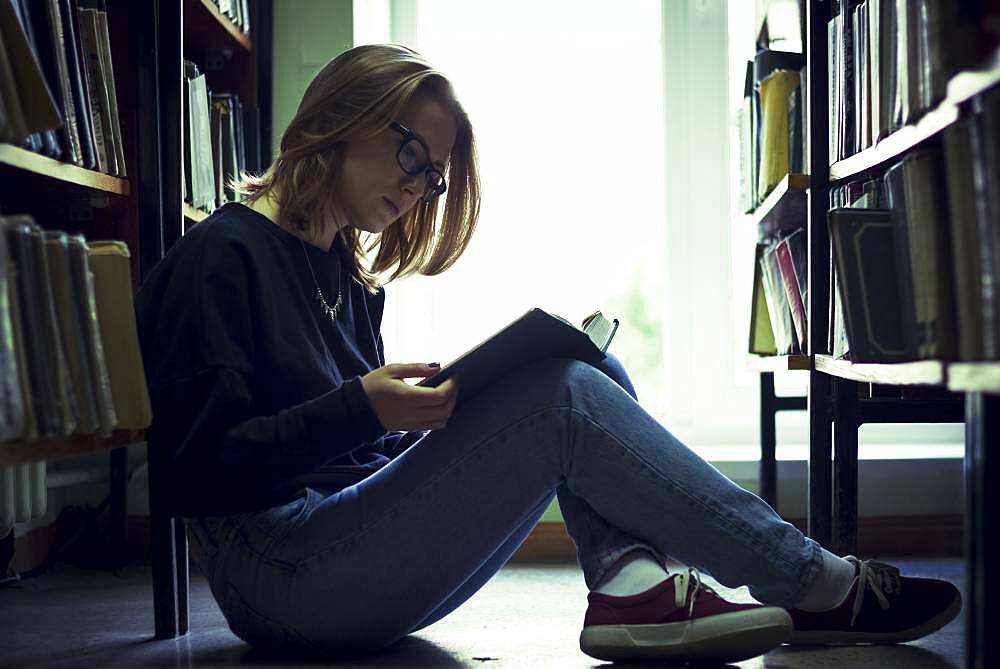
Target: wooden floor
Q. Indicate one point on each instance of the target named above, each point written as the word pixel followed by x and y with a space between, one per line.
pixel 527 616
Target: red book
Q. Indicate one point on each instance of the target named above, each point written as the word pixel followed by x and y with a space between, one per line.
pixel 791 284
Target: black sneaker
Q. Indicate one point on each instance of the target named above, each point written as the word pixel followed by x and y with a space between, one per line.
pixel 881 607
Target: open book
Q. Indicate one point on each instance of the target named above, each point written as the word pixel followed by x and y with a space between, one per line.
pixel 534 336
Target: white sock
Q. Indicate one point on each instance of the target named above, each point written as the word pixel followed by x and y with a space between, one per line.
pixel 635 572
pixel 832 586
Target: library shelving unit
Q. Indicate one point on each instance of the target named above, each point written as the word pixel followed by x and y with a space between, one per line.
pixel 924 391
pixel 63 196
pixel 232 61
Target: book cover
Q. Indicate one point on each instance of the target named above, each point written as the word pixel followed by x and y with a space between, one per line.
pixel 78 75
pixel 984 133
pixel 70 332
pixel 26 88
pixel 761 334
pixel 104 47
pixel 535 336
pixel 778 306
pixel 930 250
pixel 863 249
pixel 90 39
pixel 86 302
pixel 895 200
pixel 790 283
pixel 12 415
pixel 110 263
pixel 965 241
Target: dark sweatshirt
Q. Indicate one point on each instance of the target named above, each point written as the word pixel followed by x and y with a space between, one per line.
pixel 255 393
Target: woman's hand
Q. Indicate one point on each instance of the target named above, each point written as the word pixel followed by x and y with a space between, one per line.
pixel 401 406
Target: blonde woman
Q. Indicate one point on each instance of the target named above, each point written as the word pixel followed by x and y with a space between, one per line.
pixel 337 508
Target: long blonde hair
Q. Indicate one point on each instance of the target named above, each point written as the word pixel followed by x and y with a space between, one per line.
pixel 356 95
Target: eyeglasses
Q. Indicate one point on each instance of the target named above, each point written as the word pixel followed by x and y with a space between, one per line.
pixel 414 157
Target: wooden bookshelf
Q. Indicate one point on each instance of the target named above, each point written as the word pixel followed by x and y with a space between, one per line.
pixel 779 363
pixel 193 215
pixel 18 452
pixel 921 372
pixel 961 88
pixel 784 208
pixel 13 157
pixel 974 377
pixel 204 24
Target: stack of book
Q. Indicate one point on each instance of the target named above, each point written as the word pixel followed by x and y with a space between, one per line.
pixel 889 63
pixel 57 83
pixel 770 124
pixel 237 11
pixel 778 324
pixel 916 252
pixel 222 141
pixel 69 353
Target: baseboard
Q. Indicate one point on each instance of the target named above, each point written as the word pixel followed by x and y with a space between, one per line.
pixel 897 536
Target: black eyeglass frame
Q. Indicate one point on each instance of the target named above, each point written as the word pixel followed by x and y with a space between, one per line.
pixel 430 190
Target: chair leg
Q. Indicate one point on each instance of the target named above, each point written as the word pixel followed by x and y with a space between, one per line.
pixel 164 576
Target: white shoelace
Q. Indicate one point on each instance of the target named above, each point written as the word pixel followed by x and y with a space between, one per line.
pixel 882 578
pixel 682 582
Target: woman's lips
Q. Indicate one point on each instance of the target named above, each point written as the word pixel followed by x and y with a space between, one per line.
pixel 391 206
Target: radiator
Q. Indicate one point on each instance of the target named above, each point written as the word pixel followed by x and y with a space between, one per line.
pixel 22 494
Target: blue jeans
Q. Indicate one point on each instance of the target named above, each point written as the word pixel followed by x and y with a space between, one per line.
pixel 358 569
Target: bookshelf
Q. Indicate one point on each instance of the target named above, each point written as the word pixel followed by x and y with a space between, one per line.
pixel 922 372
pixel 236 62
pixel 15 159
pixel 966 392
pixel 192 215
pixel 779 363
pixel 784 207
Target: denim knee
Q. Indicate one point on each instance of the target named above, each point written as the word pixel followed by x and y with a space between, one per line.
pixel 614 369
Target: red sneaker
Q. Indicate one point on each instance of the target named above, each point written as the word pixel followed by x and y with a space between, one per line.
pixel 680 619
pixel 881 607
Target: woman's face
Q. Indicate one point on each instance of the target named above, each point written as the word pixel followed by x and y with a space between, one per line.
pixel 372 189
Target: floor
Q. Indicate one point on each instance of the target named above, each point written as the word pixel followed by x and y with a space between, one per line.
pixel 80 618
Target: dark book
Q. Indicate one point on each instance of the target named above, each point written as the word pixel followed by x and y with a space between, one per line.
pixel 13 416
pixel 965 241
pixel 930 251
pixel 79 78
pixel 46 141
pixel 796 161
pixel 863 252
pixel 535 336
pixel 895 201
pixel 984 134
pixel 847 69
pixel 30 104
pixel 251 140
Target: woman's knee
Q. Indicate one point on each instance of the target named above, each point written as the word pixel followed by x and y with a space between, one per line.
pixel 615 370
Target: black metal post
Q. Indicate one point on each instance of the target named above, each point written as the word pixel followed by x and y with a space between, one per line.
pixel 768 442
pixel 845 467
pixel 982 428
pixel 118 511
pixel 820 442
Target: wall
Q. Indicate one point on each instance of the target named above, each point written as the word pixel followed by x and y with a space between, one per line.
pixel 307 35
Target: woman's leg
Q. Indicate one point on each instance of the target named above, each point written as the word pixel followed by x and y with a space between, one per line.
pixel 363 567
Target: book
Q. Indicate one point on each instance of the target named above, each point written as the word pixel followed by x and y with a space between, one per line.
pixel 27 96
pixel 790 253
pixel 73 341
pixel 13 420
pixel 864 253
pixel 110 263
pixel 535 336
pixel 86 302
pixel 761 334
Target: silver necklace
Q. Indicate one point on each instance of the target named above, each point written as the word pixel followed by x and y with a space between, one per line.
pixel 331 312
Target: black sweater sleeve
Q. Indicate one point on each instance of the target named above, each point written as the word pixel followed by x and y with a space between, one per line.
pixel 206 335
